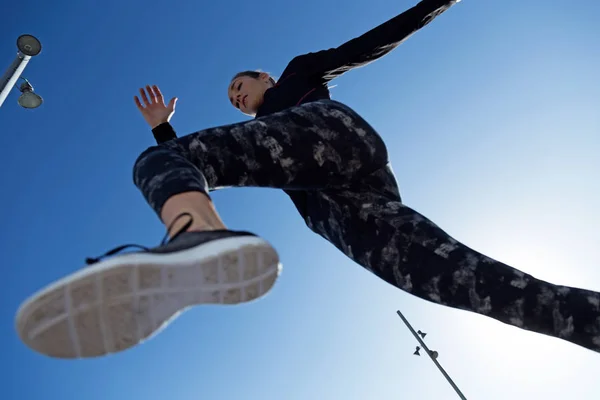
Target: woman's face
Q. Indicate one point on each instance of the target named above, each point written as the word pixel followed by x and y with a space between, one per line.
pixel 246 93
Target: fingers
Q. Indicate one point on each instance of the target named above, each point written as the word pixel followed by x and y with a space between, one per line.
pixel 137 103
pixel 158 94
pixel 150 95
pixel 172 103
pixel 144 97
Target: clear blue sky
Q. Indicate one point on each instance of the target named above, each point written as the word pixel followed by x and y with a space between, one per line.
pixel 491 115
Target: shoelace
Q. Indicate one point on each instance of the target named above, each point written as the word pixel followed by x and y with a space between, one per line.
pixel 165 240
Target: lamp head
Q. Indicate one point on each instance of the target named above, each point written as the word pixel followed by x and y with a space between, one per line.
pixel 29 45
pixel 28 98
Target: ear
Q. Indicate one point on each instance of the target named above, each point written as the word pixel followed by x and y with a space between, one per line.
pixel 264 76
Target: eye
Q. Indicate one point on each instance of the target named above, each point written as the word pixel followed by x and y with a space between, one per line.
pixel 240 86
pixel 237 104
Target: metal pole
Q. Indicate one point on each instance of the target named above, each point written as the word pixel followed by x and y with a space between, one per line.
pixel 28 46
pixel 12 74
pixel 422 343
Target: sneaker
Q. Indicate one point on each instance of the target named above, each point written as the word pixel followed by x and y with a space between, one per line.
pixel 122 301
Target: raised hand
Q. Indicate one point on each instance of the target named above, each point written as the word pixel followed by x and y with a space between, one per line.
pixel 153 109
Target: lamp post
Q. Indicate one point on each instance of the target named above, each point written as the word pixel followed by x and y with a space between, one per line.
pixel 432 354
pixel 28 46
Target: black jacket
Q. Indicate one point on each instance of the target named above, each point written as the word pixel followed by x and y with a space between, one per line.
pixel 306 77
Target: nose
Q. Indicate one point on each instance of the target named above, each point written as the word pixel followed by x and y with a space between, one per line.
pixel 240 99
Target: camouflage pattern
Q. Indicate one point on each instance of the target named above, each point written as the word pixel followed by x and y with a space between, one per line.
pixel 335 167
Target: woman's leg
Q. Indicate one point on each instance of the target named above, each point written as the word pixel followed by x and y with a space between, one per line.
pixel 315 146
pixel 407 250
pixel 118 303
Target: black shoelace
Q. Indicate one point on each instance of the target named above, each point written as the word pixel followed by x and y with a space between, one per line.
pixel 165 240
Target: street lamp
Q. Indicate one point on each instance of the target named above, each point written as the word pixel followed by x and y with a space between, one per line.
pixel 432 354
pixel 29 99
pixel 28 46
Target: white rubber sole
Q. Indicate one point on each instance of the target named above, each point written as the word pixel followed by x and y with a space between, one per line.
pixel 119 303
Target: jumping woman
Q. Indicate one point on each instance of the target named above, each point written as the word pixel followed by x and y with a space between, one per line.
pixel 335 168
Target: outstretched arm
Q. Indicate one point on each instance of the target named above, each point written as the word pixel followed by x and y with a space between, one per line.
pixel 374 44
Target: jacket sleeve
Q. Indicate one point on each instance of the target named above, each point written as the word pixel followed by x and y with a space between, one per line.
pixel 374 44
pixel 164 132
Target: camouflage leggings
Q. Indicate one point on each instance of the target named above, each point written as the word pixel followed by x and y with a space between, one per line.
pixel 335 168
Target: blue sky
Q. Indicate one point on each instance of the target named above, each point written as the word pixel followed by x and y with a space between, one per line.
pixel 491 117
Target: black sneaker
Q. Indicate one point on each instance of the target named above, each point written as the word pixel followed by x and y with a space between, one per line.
pixel 118 303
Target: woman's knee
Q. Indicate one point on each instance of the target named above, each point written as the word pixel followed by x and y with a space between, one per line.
pixel 145 166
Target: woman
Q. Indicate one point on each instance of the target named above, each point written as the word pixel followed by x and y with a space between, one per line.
pixel 335 168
